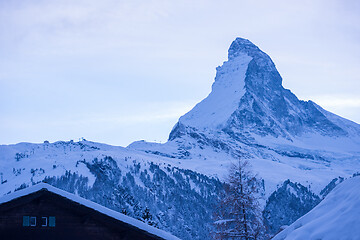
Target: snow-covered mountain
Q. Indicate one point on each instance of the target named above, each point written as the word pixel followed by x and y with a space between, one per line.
pixel 299 149
pixel 336 217
pixel 249 114
pixel 248 99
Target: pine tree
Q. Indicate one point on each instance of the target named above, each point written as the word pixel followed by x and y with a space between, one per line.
pixel 238 213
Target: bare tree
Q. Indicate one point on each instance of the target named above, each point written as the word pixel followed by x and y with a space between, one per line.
pixel 238 214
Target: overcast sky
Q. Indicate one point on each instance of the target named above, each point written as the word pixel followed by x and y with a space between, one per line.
pixel 118 71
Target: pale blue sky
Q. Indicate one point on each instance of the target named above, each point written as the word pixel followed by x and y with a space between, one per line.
pixel 119 71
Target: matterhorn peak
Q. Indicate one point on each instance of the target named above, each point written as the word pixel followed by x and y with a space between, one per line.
pixel 248 69
pixel 248 99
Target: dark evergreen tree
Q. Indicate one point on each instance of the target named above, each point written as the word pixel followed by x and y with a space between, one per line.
pixel 238 214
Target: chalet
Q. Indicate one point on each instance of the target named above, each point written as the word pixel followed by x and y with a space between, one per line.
pixel 45 212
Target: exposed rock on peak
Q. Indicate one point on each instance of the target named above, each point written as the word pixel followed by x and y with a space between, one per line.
pixel 241 45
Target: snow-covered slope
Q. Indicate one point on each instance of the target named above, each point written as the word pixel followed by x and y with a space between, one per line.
pixel 228 89
pixel 335 218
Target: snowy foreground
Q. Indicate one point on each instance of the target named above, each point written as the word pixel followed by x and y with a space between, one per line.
pixel 336 217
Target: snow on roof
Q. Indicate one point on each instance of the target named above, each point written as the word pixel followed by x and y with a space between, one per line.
pixel 87 203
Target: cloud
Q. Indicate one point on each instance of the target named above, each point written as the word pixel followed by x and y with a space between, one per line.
pixel 338 101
